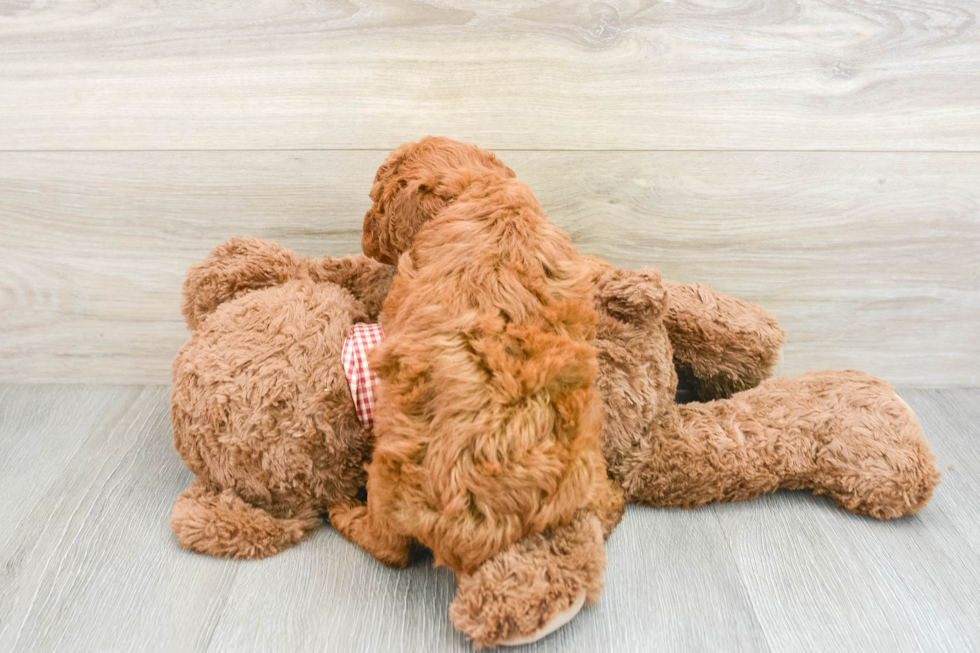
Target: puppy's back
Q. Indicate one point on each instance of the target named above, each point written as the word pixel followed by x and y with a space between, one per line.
pixel 488 422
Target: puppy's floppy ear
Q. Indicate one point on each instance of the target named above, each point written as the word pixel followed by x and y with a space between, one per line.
pixel 379 237
pixel 425 183
pixel 415 201
pixel 450 186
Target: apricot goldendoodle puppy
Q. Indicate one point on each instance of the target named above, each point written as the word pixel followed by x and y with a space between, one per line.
pixel 487 421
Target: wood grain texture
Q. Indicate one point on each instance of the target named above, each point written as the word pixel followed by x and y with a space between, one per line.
pixel 856 584
pixel 622 74
pixel 340 608
pixel 93 566
pixel 32 462
pixel 957 449
pixel 870 260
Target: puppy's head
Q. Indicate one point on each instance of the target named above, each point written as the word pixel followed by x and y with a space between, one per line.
pixel 415 183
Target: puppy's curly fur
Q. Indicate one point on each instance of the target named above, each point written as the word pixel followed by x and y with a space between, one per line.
pixel 488 419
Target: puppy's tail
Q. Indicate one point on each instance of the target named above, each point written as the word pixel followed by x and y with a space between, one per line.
pixel 222 524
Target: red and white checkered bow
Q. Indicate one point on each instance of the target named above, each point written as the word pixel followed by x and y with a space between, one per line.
pixel 361 339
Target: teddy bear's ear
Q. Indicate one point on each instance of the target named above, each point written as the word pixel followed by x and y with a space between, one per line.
pixel 365 278
pixel 232 269
pixel 631 295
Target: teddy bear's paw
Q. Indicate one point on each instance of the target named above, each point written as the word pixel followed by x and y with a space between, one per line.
pixel 492 617
pixel 220 523
pixel 530 590
pixel 878 463
pixel 556 622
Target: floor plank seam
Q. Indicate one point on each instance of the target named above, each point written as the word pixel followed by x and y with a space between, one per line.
pixel 744 584
pixel 219 615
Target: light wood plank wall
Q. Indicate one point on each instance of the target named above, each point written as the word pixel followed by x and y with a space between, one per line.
pixel 822 159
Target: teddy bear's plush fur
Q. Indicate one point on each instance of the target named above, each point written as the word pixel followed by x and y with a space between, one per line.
pixel 844 434
pixel 260 406
pixel 263 416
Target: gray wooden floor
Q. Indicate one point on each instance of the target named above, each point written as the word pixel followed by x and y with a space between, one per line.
pixel 88 562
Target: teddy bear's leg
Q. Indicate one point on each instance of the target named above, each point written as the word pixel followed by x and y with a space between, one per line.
pixel 232 269
pixel 878 463
pixel 357 524
pixel 220 523
pixel 840 433
pixel 722 345
pixel 533 588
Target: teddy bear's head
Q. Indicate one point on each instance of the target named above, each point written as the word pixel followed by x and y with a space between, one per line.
pixel 415 183
pixel 262 378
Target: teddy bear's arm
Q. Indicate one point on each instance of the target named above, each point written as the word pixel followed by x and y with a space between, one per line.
pixel 722 344
pixel 232 269
pixel 221 523
pixel 365 278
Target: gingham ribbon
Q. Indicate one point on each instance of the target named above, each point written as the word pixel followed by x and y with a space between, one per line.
pixel 361 339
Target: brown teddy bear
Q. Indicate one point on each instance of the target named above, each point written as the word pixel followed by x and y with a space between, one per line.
pixel 260 405
pixel 263 415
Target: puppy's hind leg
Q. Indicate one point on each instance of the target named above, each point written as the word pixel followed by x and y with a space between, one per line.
pixel 354 521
